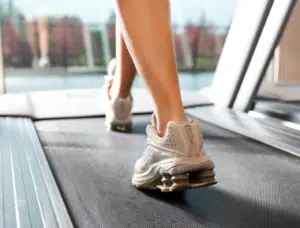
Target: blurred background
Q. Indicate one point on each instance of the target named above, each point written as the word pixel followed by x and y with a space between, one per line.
pixel 56 44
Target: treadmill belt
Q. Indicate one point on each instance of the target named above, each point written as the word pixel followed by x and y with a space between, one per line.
pixel 258 186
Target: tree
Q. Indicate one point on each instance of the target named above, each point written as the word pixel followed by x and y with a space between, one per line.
pixel 203 20
pixel 112 18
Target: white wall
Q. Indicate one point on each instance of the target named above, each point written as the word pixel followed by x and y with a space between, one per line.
pixel 272 89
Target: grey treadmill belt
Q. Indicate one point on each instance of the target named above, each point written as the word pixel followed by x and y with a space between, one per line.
pixel 258 186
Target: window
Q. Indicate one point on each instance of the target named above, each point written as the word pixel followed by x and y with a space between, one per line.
pixel 47 45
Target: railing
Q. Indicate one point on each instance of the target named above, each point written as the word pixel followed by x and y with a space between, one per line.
pixel 89 47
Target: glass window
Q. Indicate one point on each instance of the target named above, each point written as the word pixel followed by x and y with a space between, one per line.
pixel 48 45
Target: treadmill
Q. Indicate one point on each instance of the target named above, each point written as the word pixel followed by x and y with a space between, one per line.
pixel 60 168
pixel 289 111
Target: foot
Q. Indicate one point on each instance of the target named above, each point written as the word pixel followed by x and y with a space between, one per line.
pixel 176 161
pixel 118 110
pixel 44 62
pixel 35 63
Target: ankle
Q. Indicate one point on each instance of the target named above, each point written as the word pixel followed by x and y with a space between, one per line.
pixel 162 122
pixel 115 92
pixel 44 57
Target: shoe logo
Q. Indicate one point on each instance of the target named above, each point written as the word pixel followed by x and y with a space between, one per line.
pixel 189 133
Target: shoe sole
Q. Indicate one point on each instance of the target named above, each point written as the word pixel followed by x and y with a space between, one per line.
pixel 177 174
pixel 180 182
pixel 125 128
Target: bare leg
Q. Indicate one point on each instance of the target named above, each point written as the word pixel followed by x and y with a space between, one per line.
pixel 43 36
pixel 31 31
pixel 146 28
pixel 125 69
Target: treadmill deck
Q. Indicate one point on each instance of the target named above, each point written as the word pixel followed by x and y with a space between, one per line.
pixel 258 185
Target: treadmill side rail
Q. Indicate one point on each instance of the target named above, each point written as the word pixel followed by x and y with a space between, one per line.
pixel 269 132
pixel 29 196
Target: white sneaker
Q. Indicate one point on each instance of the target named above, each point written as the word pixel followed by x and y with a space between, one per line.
pixel 118 110
pixel 44 62
pixel 176 161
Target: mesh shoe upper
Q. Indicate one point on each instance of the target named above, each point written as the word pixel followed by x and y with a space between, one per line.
pixel 180 140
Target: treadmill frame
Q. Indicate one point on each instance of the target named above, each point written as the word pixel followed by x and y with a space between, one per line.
pixel 271 131
pixel 238 50
pixel 264 51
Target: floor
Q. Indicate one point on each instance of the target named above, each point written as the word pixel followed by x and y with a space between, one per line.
pixel 34 82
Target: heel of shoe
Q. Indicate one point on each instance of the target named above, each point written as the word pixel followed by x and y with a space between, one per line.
pixel 193 179
pixel 202 178
pixel 118 127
